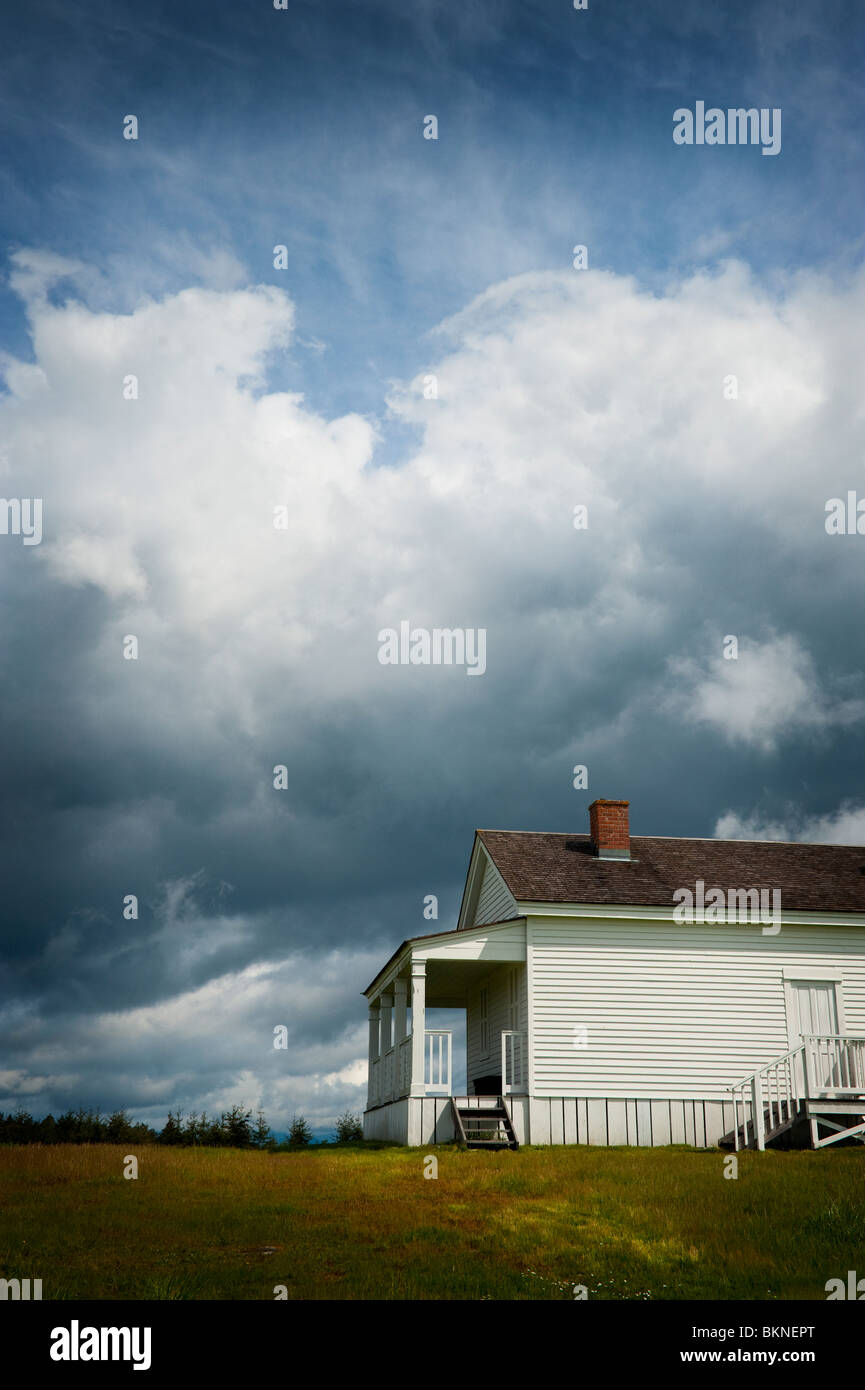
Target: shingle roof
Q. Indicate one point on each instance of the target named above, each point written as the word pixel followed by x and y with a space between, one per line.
pixel 545 867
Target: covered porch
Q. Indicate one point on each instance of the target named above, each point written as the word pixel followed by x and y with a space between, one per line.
pixel 411 1062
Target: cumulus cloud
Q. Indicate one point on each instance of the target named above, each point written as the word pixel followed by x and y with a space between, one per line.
pixel 767 691
pixel 845 826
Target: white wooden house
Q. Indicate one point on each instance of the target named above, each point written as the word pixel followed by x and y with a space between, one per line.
pixel 594 1015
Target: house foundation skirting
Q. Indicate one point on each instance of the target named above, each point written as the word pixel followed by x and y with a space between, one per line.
pixel 420 1120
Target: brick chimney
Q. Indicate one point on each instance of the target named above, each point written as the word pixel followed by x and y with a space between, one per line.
pixel 608 827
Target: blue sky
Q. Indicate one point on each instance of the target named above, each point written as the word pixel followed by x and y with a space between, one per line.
pixel 304 127
pixel 302 387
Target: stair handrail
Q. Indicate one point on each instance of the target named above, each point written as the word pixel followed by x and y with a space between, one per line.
pixel 774 1063
pixel 783 1096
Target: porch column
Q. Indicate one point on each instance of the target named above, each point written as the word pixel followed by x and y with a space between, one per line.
pixel 418 1026
pixel 386 1068
pixel 372 1088
pixel 400 995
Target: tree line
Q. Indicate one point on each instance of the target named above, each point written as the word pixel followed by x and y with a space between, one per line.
pixel 234 1129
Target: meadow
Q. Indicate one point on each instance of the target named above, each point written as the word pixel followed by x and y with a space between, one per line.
pixel 364 1223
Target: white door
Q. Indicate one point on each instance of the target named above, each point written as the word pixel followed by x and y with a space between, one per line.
pixel 815 1010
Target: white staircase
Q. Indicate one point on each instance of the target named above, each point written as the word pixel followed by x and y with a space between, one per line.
pixel 818 1085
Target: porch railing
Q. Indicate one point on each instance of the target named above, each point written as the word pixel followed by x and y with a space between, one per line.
pixel 437 1062
pixel 404 1066
pixel 835 1064
pixel 514 1062
pixel 390 1074
pixel 387 1070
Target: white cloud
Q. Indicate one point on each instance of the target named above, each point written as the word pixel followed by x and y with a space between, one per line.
pixel 554 390
pixel 105 561
pixel 34 270
pixel 711 244
pixel 352 1075
pixel 846 826
pixel 19 1083
pixel 769 691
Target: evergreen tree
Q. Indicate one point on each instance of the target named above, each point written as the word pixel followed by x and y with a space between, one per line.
pixel 236 1125
pixel 172 1133
pixel 89 1127
pixel 66 1128
pixel 47 1130
pixel 214 1135
pixel 300 1134
pixel 118 1129
pixel 18 1128
pixel 261 1135
pixel 349 1128
pixel 142 1134
pixel 195 1129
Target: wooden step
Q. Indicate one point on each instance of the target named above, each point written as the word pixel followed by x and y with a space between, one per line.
pixel 843 1118
pixel 473 1123
pixel 748 1132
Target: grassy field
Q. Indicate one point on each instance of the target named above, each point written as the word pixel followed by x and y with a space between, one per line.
pixel 365 1223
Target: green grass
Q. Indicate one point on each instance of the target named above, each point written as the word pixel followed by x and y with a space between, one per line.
pixel 364 1223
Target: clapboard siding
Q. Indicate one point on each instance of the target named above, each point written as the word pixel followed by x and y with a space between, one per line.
pixel 671 1011
pixel 485 1064
pixel 495 902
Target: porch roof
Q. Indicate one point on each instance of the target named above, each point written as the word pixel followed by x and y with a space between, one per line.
pixel 464 966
